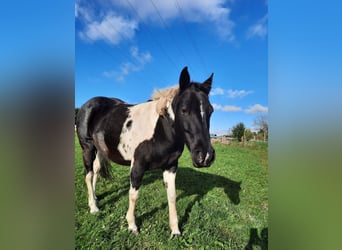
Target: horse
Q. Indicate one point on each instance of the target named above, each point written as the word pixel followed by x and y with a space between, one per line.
pixel 147 136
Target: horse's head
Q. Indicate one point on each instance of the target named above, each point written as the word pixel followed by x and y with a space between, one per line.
pixel 192 114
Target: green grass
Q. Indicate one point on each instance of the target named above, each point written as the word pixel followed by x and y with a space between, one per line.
pixel 221 207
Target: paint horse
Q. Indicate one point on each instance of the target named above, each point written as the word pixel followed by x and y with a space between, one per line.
pixel 147 136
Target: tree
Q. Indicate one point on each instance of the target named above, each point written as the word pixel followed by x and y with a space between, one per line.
pixel 248 134
pixel 260 122
pixel 238 131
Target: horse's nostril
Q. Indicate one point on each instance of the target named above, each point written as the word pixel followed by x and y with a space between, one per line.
pixel 200 156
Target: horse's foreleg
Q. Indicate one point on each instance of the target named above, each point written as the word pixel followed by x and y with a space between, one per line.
pixel 136 178
pixel 169 180
pixel 133 196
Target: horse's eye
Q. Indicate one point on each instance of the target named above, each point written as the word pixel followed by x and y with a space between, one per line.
pixel 184 110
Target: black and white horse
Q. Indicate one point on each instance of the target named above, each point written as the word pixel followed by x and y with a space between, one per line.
pixel 147 136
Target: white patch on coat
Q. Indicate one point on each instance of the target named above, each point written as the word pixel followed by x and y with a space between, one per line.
pixel 207 157
pixel 144 119
pixel 170 110
pixel 202 110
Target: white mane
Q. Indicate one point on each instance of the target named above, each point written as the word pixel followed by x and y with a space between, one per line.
pixel 164 98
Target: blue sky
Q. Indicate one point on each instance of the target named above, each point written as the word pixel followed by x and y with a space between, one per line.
pixel 128 48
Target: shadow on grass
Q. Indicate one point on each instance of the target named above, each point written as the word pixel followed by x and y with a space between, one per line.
pixel 255 240
pixel 114 193
pixel 188 180
pixel 193 182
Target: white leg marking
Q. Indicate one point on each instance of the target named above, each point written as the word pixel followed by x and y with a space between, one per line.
pixel 96 167
pixel 133 196
pixel 91 198
pixel 169 180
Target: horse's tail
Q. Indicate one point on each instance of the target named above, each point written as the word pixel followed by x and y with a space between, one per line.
pixel 104 171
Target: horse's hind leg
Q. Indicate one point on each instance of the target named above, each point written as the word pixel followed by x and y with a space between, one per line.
pixel 96 169
pixel 89 151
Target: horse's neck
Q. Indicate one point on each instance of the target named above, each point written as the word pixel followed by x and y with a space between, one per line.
pixel 172 131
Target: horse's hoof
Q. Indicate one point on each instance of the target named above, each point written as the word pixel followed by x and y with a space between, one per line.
pixel 175 234
pixel 94 210
pixel 134 230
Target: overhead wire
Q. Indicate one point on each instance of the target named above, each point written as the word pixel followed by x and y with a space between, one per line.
pixel 121 56
pixel 153 38
pixel 124 54
pixel 169 32
pixel 194 45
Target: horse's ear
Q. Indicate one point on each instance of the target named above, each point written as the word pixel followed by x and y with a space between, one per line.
pixel 206 85
pixel 184 79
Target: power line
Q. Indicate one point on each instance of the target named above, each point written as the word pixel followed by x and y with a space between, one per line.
pixel 150 33
pixel 190 36
pixel 124 54
pixel 121 55
pixel 169 32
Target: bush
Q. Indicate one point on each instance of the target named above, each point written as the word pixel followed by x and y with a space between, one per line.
pixel 238 131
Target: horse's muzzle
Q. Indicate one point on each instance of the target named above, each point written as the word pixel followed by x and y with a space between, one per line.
pixel 203 159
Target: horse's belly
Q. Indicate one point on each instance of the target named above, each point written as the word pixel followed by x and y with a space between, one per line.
pixel 125 149
pixel 109 150
pixel 118 158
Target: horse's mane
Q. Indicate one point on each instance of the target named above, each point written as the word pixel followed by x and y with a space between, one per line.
pixel 164 98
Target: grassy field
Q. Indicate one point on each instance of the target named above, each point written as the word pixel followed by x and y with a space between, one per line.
pixel 223 207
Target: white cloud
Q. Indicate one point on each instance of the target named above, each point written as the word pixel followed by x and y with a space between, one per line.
pixel 217 91
pixel 259 29
pixel 76 9
pixel 238 93
pixel 83 12
pixel 230 92
pixel 226 108
pixel 214 11
pixel 112 28
pixel 110 73
pixel 257 108
pixel 141 59
pixel 132 12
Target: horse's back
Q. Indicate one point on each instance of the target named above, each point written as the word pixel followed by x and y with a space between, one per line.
pixel 94 111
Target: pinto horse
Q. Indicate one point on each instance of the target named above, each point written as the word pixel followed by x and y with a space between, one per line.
pixel 147 136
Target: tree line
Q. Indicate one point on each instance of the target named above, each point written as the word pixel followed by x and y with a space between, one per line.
pixel 241 133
